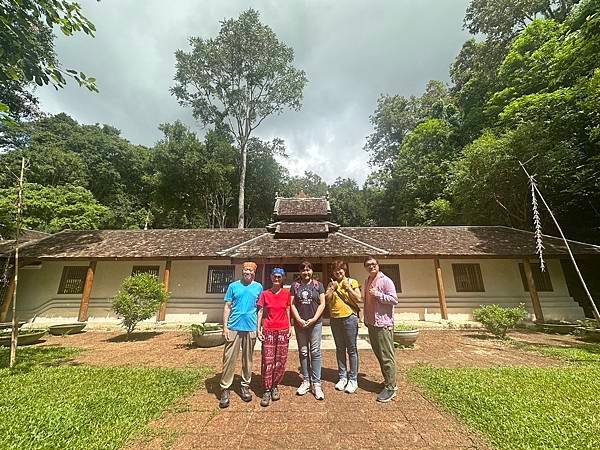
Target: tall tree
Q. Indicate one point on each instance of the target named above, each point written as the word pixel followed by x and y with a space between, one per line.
pixel 238 79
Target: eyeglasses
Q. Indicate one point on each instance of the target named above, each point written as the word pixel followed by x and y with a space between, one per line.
pixel 371 264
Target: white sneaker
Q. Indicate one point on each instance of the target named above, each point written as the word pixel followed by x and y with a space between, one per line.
pixel 319 395
pixel 340 385
pixel 304 388
pixel 351 387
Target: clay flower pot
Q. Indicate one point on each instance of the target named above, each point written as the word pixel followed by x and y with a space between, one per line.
pixel 26 337
pixel 405 336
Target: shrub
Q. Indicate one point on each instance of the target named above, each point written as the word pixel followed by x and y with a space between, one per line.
pixel 200 329
pixel 498 319
pixel 138 299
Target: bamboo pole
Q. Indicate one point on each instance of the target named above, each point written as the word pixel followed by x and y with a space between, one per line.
pixel 440 288
pixel 15 328
pixel 533 293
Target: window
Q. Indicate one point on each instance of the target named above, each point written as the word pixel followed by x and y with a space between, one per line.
pixel 392 271
pixel 152 270
pixel 72 280
pixel 541 280
pixel 467 278
pixel 219 278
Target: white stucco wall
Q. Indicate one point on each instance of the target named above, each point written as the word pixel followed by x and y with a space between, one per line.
pixel 501 279
pixel 37 292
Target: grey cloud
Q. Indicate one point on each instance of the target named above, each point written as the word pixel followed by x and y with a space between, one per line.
pixel 352 52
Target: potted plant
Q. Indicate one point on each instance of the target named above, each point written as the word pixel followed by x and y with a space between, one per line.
pixel 405 335
pixel 590 329
pixel 26 337
pixel 207 335
pixel 64 329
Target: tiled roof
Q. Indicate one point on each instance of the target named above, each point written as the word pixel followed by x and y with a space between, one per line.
pixel 198 243
pixel 301 207
pixel 258 243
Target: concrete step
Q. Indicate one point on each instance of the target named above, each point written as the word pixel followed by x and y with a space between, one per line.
pixel 327 342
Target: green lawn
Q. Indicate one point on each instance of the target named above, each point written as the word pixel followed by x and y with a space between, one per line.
pixel 582 353
pixel 521 408
pixel 45 405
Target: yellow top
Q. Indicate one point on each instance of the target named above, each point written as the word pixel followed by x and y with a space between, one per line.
pixel 338 308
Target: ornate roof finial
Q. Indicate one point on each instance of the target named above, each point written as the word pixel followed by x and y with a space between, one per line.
pixel 301 194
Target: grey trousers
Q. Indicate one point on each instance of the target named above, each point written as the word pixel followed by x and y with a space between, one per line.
pixel 382 343
pixel 245 340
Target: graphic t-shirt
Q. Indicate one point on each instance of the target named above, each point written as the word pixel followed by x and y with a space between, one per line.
pixel 306 298
pixel 243 298
pixel 275 309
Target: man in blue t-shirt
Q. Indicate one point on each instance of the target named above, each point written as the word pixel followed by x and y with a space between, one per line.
pixel 239 329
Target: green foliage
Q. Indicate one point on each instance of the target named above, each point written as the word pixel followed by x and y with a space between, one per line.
pixel 107 406
pixel 201 328
pixel 51 209
pixel 27 50
pixel 138 299
pixel 498 319
pixel 348 203
pixel 262 81
pixel 581 353
pixel 405 327
pixel 533 408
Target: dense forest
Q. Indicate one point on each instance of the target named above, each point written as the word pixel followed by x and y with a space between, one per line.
pixel 525 88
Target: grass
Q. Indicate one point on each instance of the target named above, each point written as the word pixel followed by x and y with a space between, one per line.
pixel 583 353
pixel 524 408
pixel 48 405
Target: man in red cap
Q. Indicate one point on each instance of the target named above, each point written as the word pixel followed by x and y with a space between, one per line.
pixel 239 329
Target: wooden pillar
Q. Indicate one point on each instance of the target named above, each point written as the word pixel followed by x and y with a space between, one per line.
pixel 440 288
pixel 6 301
pixel 162 312
pixel 535 299
pixel 87 291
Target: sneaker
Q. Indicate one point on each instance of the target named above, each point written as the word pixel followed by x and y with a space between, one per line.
pixel 245 394
pixel 275 394
pixel 224 401
pixel 266 399
pixel 340 385
pixel 351 387
pixel 386 395
pixel 304 388
pixel 318 392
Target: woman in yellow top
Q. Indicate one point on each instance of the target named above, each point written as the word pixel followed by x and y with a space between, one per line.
pixel 342 296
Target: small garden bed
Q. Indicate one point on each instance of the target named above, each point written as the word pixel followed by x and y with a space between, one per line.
pixel 405 335
pixel 26 337
pixel 557 327
pixel 207 335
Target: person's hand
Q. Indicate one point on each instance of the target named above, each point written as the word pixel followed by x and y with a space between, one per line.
pixel 345 285
pixel 374 292
pixel 309 322
pixel 260 335
pixel 290 332
pixel 333 285
pixel 227 334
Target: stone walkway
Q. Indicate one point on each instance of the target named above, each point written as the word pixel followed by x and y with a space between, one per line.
pixel 340 421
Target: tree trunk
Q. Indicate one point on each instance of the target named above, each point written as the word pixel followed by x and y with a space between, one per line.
pixel 241 197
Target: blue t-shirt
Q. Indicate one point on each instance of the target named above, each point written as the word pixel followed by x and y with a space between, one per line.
pixel 243 298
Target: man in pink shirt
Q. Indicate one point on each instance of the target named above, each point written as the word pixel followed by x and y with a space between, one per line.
pixel 380 297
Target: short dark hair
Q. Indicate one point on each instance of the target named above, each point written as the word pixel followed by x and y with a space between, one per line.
pixel 305 265
pixel 339 264
pixel 370 258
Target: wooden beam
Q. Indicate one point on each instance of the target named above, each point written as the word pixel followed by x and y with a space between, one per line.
pixel 535 299
pixel 6 301
pixel 440 288
pixel 87 291
pixel 162 312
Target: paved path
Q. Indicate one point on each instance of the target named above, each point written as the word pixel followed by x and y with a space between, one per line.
pixel 340 421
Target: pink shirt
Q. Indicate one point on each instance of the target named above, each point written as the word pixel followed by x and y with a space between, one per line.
pixel 379 308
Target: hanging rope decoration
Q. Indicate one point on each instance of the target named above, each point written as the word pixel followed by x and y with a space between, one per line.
pixel 537 226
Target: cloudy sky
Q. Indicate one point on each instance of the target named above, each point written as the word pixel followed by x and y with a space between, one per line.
pixel 352 51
